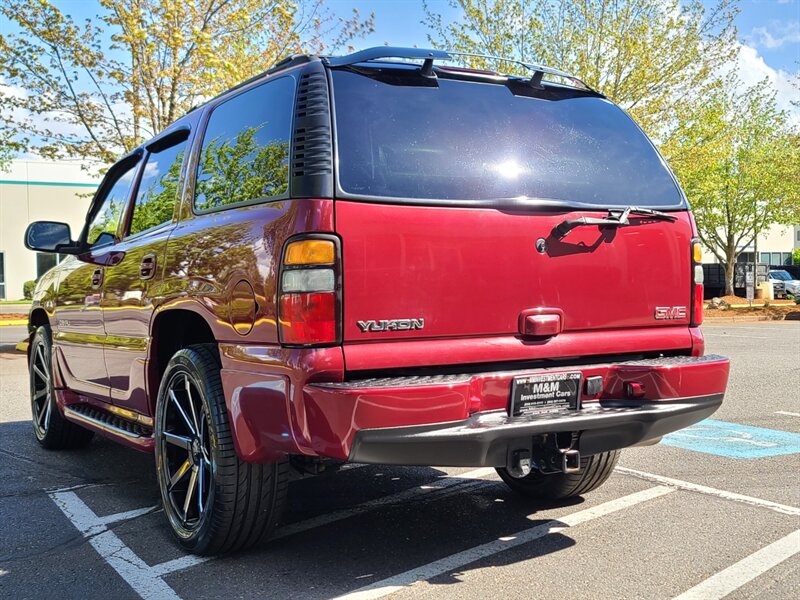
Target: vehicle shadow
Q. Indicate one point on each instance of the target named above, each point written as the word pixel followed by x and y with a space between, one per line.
pixel 370 522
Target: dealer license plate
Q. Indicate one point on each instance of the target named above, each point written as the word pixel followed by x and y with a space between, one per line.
pixel 544 393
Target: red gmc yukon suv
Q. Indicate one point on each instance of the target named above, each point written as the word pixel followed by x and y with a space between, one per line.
pixel 374 260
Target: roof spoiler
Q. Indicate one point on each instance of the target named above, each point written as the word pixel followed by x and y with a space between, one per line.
pixel 429 55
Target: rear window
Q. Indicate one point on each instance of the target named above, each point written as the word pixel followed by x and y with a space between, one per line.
pixel 478 141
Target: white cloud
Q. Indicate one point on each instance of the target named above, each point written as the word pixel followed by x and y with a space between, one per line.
pixel 752 69
pixel 776 35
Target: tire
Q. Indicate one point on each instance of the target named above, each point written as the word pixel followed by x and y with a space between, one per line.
pixel 52 430
pixel 232 505
pixel 595 469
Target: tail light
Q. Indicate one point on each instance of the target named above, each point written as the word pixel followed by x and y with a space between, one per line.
pixel 308 292
pixel 697 284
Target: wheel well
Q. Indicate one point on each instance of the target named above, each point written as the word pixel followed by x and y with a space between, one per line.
pixel 37 318
pixel 173 330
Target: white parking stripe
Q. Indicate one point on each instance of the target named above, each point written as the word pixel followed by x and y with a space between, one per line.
pixel 455 561
pixel 787 413
pixel 726 581
pixel 694 487
pixel 125 516
pixel 122 559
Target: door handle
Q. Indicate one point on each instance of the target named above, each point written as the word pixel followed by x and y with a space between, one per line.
pixel 147 268
pixel 97 278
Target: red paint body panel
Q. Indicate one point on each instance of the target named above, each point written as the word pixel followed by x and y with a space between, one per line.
pixel 471 272
pixel 416 353
pixel 337 413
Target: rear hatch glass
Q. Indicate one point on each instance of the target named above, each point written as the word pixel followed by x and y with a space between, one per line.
pixel 428 234
pixel 462 140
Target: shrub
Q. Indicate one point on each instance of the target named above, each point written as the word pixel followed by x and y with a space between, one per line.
pixel 796 256
pixel 27 289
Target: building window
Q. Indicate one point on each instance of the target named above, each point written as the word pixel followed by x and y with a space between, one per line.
pixel 2 277
pixel 787 258
pixel 46 261
pixel 797 234
pixel 764 257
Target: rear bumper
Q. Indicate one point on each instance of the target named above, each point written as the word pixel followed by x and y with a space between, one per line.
pixel 451 419
pixel 487 439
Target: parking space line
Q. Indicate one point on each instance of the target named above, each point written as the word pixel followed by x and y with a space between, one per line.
pixel 786 413
pixel 730 579
pixel 133 570
pixel 702 489
pixel 125 516
pixel 395 583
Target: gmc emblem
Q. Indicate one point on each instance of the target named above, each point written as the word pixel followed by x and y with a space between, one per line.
pixel 670 312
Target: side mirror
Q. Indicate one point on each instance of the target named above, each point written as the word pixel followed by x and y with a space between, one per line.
pixel 49 236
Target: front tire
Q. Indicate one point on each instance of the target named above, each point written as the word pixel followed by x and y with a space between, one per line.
pixel 595 470
pixel 52 430
pixel 214 502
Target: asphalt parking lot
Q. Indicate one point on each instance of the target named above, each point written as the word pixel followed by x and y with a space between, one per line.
pixel 711 512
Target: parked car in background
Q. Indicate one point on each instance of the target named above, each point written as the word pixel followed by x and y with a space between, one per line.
pixel 373 260
pixel 789 284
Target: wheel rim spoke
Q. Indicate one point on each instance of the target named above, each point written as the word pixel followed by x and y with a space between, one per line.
pixel 40 394
pixel 189 493
pixel 44 415
pixel 47 414
pixel 40 355
pixel 177 404
pixel 200 478
pixel 45 379
pixel 178 440
pixel 182 470
pixel 191 404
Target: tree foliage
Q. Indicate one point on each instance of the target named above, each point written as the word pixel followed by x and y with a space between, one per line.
pixel 737 160
pixel 96 89
pixel 648 56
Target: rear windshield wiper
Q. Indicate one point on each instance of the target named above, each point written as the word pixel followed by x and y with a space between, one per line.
pixel 615 218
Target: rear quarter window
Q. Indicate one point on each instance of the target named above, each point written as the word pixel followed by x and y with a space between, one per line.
pixel 245 152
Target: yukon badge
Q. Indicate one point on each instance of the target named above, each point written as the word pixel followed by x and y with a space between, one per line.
pixel 670 312
pixel 391 325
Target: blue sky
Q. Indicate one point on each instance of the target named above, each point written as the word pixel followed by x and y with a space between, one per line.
pixel 770 26
pixel 769 33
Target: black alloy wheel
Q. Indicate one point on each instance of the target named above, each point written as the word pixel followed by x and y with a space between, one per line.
pixel 52 430
pixel 184 446
pixel 214 501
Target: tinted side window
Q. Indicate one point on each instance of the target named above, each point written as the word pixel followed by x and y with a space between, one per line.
pixel 245 152
pixel 106 219
pixel 158 188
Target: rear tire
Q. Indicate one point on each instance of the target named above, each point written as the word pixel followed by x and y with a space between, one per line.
pixel 231 505
pixel 595 469
pixel 52 430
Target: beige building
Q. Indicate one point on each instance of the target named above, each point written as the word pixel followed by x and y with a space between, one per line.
pixel 37 190
pixel 775 246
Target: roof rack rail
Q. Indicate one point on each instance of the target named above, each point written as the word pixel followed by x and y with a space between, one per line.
pixel 429 55
pixel 380 52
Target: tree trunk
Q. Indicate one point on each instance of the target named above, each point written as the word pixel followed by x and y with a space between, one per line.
pixel 730 265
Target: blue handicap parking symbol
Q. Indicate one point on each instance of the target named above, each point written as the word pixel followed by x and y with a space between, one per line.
pixel 734 440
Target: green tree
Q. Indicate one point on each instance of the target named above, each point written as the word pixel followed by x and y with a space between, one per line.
pixel 240 170
pixel 96 89
pixel 737 160
pixel 648 56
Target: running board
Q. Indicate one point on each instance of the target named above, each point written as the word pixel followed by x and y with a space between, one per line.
pixel 112 424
